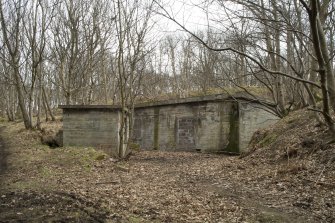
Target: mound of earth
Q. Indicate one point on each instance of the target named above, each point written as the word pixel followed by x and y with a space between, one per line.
pixel 300 143
pixel 298 154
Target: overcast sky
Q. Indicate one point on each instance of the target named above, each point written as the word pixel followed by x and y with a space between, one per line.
pixel 192 14
pixel 186 12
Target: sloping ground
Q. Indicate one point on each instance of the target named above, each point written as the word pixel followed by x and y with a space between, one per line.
pixel 288 178
pixel 300 155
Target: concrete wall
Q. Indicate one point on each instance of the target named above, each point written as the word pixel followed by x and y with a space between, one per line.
pixel 200 126
pixel 251 118
pixel 218 126
pixel 196 124
pixel 91 127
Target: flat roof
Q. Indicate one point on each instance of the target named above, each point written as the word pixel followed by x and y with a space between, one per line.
pixel 206 98
pixel 90 107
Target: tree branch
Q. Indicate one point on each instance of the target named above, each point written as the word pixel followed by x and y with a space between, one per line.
pixel 168 16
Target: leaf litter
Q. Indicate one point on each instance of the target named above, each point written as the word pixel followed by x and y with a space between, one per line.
pixel 271 184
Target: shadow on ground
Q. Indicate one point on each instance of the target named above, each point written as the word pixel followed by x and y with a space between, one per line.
pixel 32 206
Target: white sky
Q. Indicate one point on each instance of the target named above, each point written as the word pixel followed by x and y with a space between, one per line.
pixel 192 14
pixel 185 12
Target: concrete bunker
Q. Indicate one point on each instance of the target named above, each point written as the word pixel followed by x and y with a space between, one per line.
pixel 91 125
pixel 217 123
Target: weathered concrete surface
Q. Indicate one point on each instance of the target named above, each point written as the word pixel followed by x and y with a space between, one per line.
pixel 252 116
pixel 91 127
pixel 200 126
pixel 219 126
pixel 209 124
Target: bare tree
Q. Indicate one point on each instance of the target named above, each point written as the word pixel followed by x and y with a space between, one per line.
pixel 317 12
pixel 132 25
pixel 280 67
pixel 36 24
pixel 7 89
pixel 11 24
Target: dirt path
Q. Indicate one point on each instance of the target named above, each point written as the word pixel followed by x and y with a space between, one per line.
pixel 149 187
pixel 3 154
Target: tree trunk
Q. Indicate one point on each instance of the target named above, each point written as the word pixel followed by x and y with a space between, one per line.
pixel 20 95
pixel 45 98
pixel 321 52
pixel 330 81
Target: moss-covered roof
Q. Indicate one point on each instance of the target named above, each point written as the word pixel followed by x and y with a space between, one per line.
pixel 196 99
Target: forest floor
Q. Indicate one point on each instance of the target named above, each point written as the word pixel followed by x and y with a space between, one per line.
pixel 289 177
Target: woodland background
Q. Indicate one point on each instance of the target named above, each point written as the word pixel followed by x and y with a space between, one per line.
pixel 117 52
pixel 110 52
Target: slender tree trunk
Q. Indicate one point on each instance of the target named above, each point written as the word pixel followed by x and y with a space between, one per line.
pixel 327 64
pixel 20 94
pixel 313 73
pixel 321 52
pixel 279 78
pixel 45 110
pixel 46 101
pixel 120 63
pixel 38 121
